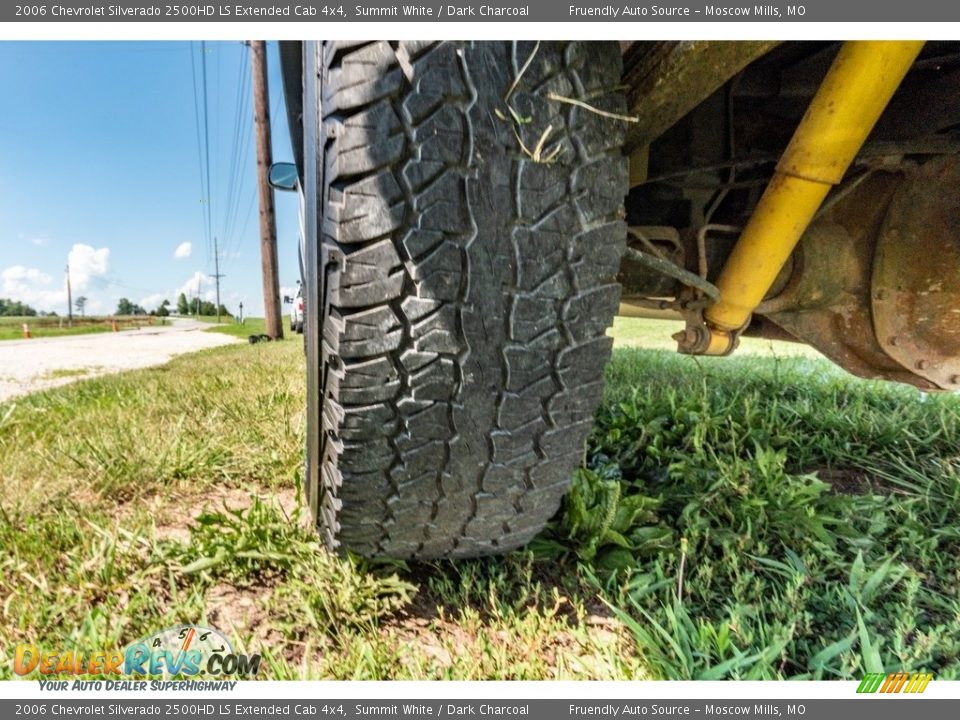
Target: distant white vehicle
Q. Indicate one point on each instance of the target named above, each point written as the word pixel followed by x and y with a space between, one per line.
pixel 296 309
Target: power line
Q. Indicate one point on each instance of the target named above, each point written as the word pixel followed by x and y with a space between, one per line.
pixel 251 200
pixel 206 144
pixel 106 281
pixel 204 200
pixel 235 139
pixel 241 152
pixel 246 219
pixel 229 203
pixel 216 134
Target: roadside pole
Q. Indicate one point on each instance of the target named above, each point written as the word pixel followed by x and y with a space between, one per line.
pixel 216 274
pixel 268 227
pixel 69 299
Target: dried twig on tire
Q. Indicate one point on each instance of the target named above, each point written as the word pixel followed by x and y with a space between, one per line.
pixel 537 154
pixel 591 108
pixel 523 69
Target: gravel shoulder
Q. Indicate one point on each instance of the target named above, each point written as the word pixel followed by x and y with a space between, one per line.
pixel 27 366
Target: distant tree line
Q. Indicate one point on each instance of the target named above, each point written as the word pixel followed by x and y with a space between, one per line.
pixel 15 308
pixel 125 307
pixel 184 307
pixel 12 308
pixel 192 306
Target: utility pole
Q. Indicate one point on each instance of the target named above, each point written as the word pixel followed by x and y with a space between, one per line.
pixel 216 274
pixel 268 226
pixel 69 299
pixel 199 278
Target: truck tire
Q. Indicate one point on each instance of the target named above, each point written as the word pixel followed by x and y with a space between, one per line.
pixel 467 264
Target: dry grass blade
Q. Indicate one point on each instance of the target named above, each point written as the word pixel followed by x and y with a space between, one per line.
pixel 537 154
pixel 586 106
pixel 523 69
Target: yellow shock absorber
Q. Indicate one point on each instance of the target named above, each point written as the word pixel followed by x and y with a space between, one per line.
pixel 847 105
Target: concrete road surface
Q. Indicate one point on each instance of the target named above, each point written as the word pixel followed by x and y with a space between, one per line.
pixel 30 365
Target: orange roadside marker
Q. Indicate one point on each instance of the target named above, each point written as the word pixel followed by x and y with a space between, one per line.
pixel 26 331
pixel 115 329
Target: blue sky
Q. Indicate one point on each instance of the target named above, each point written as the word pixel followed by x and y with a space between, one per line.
pixel 99 163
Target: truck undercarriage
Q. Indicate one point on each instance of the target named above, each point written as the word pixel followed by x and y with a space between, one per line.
pixel 873 280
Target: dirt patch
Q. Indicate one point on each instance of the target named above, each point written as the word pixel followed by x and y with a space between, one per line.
pixel 243 612
pixel 174 513
pixel 563 613
pixel 451 634
pixel 852 481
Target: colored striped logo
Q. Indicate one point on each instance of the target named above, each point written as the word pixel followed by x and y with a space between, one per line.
pixel 895 683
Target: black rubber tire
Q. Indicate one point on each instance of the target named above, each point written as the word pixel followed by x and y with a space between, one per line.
pixel 298 327
pixel 466 287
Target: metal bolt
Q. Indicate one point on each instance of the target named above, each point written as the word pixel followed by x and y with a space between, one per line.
pixel 955 380
pixel 921 364
pixel 892 340
pixel 689 338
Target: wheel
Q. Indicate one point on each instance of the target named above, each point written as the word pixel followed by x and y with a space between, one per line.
pixel 467 265
pixel 298 327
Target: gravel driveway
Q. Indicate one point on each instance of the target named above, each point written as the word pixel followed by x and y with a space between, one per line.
pixel 30 365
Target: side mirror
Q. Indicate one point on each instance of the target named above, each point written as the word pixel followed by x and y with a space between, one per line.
pixel 287 299
pixel 283 176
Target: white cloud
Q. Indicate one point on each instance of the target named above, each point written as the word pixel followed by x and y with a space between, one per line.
pixel 32 286
pixel 40 290
pixel 86 263
pixel 183 250
pixel 40 239
pixel 96 306
pixel 18 274
pixel 152 302
pixel 205 283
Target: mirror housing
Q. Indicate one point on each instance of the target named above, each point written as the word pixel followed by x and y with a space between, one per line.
pixel 283 176
pixel 287 299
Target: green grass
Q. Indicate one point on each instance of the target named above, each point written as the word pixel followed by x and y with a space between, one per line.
pixel 761 519
pixel 748 517
pixel 11 328
pixel 249 326
pixel 69 372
